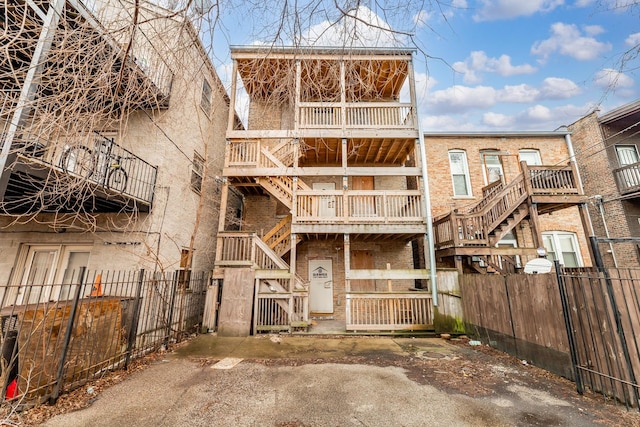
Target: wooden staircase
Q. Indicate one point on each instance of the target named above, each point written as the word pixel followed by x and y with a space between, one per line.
pixel 279 237
pixel 471 236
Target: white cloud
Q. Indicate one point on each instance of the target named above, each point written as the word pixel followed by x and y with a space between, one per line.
pixel 633 40
pixel 612 80
pixel 558 88
pixel 456 99
pixel 448 124
pixel 478 61
pixel 519 94
pixel 566 39
pixel 361 27
pixel 593 30
pixel 421 18
pixel 494 10
pixel 497 120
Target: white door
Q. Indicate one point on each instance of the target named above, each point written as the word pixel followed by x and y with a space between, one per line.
pixel 327 206
pixel 321 286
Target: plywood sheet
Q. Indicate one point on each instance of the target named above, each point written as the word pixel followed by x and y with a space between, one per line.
pixel 236 305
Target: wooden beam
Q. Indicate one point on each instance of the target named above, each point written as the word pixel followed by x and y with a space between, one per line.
pixel 387 274
pixel 332 228
pixel 320 171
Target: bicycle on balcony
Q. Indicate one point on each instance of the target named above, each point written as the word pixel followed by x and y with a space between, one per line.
pixel 100 165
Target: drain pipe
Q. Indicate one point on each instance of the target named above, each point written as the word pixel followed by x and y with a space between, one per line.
pixel 599 200
pixel 429 216
pixel 592 237
pixel 425 186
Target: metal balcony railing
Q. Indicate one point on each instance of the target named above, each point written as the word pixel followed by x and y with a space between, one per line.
pixel 96 159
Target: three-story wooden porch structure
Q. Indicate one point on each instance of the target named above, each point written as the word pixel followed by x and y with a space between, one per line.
pixel 332 186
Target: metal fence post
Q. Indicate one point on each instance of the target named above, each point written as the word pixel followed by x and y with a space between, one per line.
pixel 133 327
pixel 569 327
pixel 67 338
pixel 174 287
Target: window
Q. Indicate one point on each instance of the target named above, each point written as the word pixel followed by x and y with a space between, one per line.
pixel 460 173
pixel 205 101
pixel 492 166
pixel 562 246
pixel 47 265
pixel 184 274
pixel 197 170
pixel 531 157
pixel 627 154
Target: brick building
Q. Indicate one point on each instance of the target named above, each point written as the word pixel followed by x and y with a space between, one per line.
pixel 607 153
pixel 334 202
pixel 497 196
pixel 111 147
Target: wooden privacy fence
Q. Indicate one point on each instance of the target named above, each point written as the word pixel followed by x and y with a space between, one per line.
pixel 603 317
pixel 520 314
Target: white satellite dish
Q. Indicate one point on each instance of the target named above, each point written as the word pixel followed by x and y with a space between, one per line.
pixel 538 266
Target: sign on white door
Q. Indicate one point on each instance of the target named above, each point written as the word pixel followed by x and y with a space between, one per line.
pixel 321 286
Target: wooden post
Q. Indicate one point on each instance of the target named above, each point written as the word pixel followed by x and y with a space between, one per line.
pixel 296 113
pixel 347 263
pixel 535 225
pixel 389 287
pixel 588 230
pixel 232 103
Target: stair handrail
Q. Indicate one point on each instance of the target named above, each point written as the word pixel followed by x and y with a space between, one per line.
pixel 489 192
pixel 484 221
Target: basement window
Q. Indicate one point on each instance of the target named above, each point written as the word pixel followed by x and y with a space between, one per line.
pixel 197 171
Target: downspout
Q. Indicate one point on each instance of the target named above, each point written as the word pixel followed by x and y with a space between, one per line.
pixel 425 186
pixel 429 216
pixel 606 229
pixel 572 157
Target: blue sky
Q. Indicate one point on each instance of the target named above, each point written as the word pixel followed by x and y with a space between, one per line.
pixel 487 65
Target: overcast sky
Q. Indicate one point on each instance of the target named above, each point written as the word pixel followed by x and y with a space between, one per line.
pixel 492 65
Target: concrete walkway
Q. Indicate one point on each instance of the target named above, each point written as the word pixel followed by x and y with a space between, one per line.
pixel 299 381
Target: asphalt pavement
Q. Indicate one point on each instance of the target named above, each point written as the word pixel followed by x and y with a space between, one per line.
pixel 301 381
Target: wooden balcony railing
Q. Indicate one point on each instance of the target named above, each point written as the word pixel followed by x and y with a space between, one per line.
pixel 361 115
pixel 254 153
pixel 93 158
pixel 388 311
pixel 472 226
pixel 628 178
pixel 351 206
pixel 551 180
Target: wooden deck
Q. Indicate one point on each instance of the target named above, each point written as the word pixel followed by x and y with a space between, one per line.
pixel 475 231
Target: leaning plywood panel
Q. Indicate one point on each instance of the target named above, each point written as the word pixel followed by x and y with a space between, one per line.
pixel 237 302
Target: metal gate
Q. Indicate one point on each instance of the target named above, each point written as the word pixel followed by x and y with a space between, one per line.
pixel 602 314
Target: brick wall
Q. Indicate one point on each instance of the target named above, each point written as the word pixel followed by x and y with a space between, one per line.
pixel 553 151
pixel 596 159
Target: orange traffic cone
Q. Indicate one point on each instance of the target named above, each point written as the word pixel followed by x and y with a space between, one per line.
pixel 96 290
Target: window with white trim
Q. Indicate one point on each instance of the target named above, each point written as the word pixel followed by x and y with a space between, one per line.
pixel 460 173
pixel 531 157
pixel 41 265
pixel 562 246
pixel 492 165
pixel 627 154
